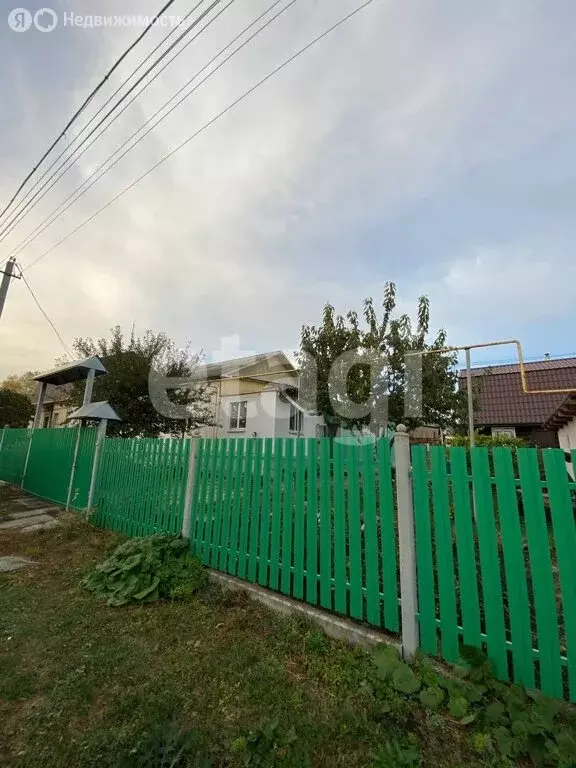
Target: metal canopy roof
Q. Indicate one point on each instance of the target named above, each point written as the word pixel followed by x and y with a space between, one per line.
pixel 75 371
pixel 96 411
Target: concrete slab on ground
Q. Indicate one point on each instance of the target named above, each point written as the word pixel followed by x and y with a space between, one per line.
pixel 33 513
pixel 12 563
pixel 26 521
pixel 40 526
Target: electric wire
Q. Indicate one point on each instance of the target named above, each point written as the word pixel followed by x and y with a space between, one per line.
pixel 206 125
pixel 83 106
pixel 18 216
pixel 41 308
pixel 79 192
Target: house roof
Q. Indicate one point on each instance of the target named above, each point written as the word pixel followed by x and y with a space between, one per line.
pixel 229 368
pixel 501 401
pixel 565 412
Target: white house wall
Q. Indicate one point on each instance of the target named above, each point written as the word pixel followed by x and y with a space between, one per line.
pixel 567 436
pixel 260 415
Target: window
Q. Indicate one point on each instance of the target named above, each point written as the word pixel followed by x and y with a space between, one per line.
pixel 238 412
pixel 296 419
pixel 503 431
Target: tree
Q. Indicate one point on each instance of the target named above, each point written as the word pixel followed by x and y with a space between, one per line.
pixel 385 342
pixel 128 361
pixel 23 383
pixel 16 409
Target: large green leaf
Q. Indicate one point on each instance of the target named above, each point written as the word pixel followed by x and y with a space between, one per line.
pixel 404 680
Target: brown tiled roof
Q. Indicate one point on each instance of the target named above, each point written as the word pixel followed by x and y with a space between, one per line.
pixel 501 401
pixel 565 412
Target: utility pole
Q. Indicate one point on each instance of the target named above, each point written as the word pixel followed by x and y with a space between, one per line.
pixel 7 275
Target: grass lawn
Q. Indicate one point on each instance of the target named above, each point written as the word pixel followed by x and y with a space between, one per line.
pixel 82 684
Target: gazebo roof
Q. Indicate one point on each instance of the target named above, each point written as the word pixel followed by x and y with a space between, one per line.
pixel 96 411
pixel 76 371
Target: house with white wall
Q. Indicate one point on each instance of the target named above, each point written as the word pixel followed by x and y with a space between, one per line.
pixel 257 396
pixel 564 421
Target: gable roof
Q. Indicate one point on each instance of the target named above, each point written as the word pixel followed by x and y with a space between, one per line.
pixel 75 371
pixel 501 401
pixel 270 362
pixel 565 412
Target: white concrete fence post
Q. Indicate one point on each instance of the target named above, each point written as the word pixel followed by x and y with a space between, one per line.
pixel 190 479
pixel 31 431
pixel 100 435
pixel 407 545
pixel 73 467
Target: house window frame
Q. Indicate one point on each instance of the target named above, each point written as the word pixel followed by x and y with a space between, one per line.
pixel 297 418
pixel 238 416
pixel 502 431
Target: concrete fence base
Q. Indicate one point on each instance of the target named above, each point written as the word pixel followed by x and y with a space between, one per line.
pixel 336 627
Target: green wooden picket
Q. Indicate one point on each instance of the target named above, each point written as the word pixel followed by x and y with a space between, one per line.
pixel 372 576
pixel 464 525
pixel 276 513
pixel 287 518
pixel 424 559
pixel 444 555
pixel 266 513
pixel 299 518
pixel 516 587
pixel 255 512
pixel 387 542
pixel 354 534
pixel 489 562
pixel 340 591
pixel 312 522
pixel 325 533
pixel 542 575
pixel 562 508
pixel 237 496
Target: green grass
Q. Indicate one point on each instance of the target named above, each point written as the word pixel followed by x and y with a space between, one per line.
pixel 184 684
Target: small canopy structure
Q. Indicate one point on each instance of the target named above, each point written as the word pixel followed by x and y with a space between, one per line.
pixel 79 370
pixel 76 371
pixel 95 412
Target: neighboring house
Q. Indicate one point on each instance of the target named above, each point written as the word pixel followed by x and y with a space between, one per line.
pixel 56 406
pixel 501 406
pixel 563 419
pixel 257 396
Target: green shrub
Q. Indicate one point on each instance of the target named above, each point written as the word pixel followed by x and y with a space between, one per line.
pixel 146 569
pixel 488 441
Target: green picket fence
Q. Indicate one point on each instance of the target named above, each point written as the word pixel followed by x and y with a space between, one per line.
pixel 50 465
pixel 141 485
pixel 14 448
pixel 316 520
pixel 496 557
pixel 313 519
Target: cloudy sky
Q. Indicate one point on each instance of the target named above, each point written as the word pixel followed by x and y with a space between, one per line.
pixel 428 142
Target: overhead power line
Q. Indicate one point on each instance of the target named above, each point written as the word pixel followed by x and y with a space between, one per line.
pixel 206 125
pixel 33 201
pixel 83 106
pixel 66 347
pixel 79 192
